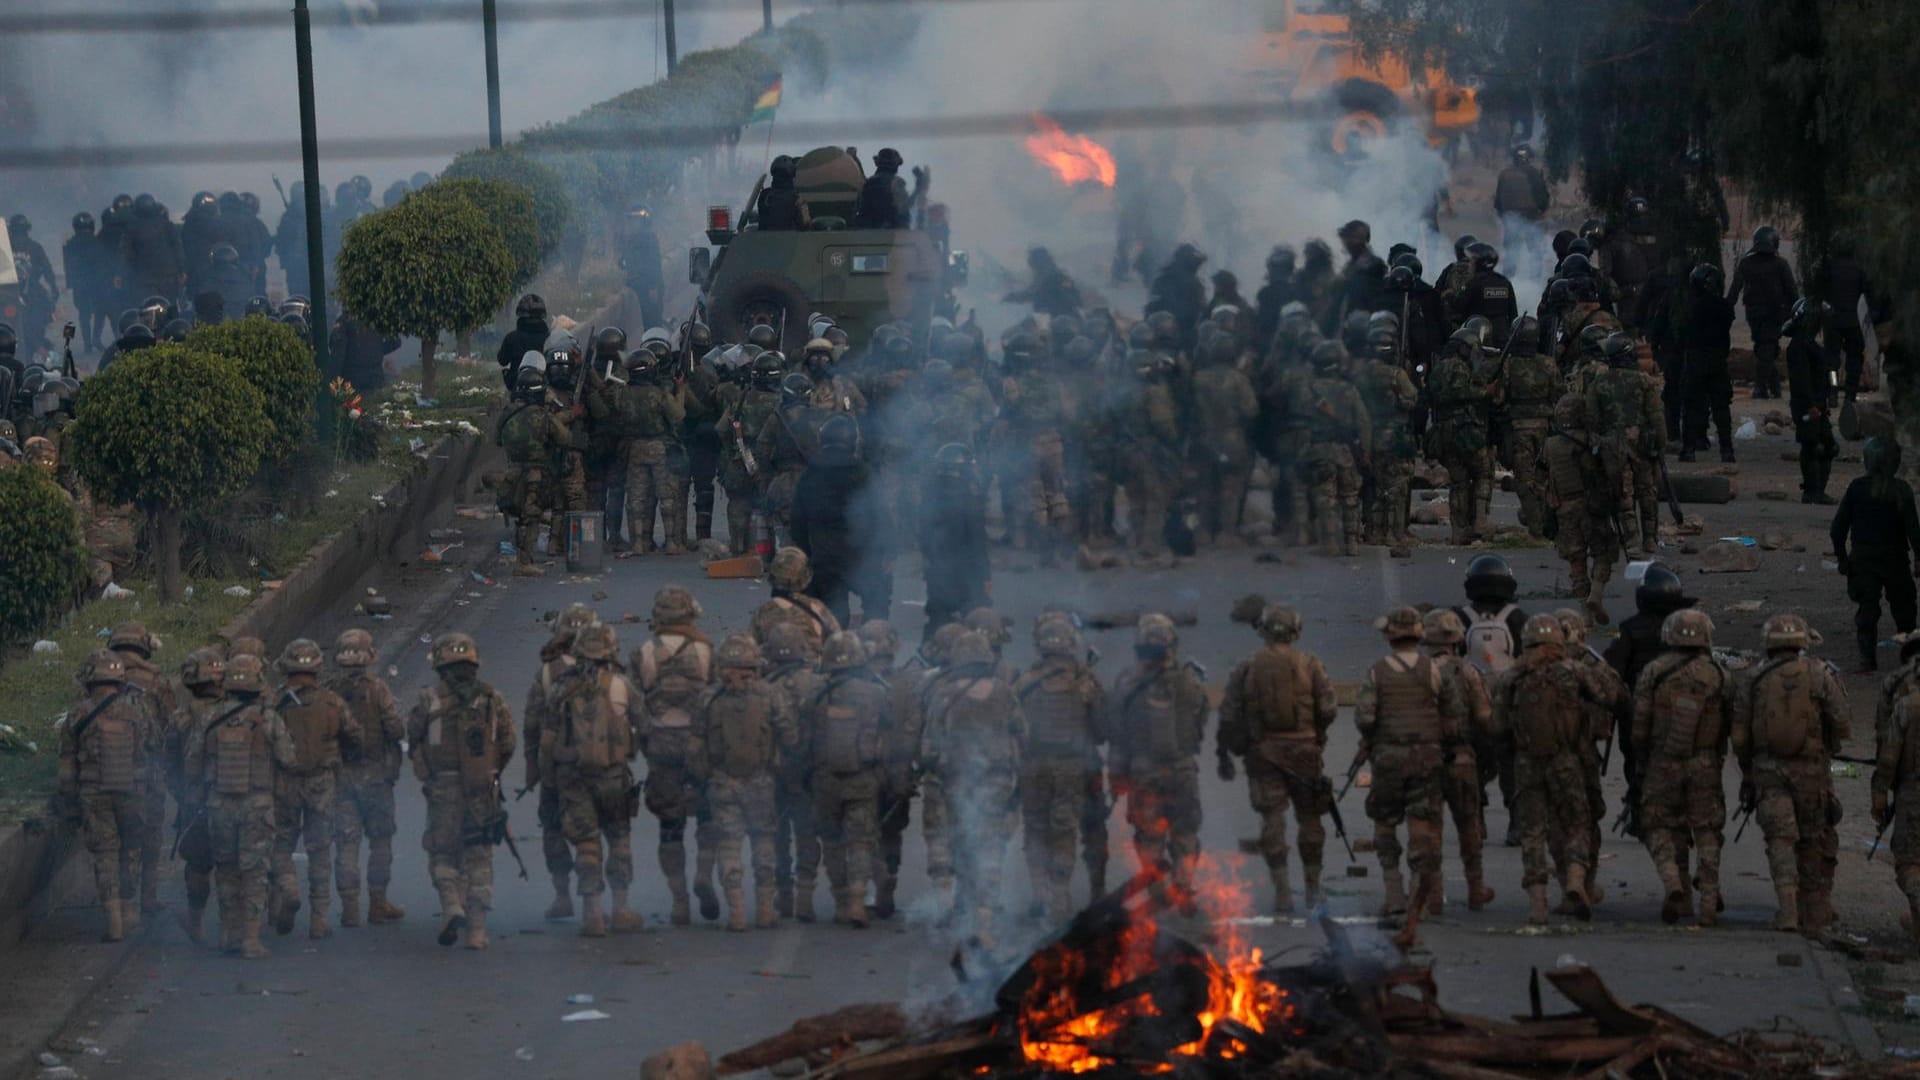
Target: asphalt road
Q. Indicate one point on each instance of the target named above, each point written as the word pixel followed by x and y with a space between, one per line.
pixel 388 1001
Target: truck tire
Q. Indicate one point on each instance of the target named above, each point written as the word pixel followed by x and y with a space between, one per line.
pixel 1361 114
pixel 761 296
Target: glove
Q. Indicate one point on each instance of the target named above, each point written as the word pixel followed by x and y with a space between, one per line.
pixel 1226 770
pixel 1748 796
pixel 1844 564
pixel 1881 810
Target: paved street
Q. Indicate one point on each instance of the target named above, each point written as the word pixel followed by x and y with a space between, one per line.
pixel 389 1000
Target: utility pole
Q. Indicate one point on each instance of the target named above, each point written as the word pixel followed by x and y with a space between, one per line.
pixel 490 21
pixel 310 175
pixel 766 15
pixel 673 49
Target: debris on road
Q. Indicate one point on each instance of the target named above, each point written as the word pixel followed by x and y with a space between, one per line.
pixel 1128 618
pixel 584 1015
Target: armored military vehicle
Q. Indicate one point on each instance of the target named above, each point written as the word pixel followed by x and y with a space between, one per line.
pixel 861 278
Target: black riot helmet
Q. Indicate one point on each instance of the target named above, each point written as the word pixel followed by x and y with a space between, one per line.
pixel 1524 338
pixel 1766 240
pixel 1409 260
pixel 259 305
pixel 1163 328
pixel 224 253
pixel 795 388
pixel 127 318
pixel 1480 327
pixel 764 336
pixel 1403 278
pixel 202 200
pixel 146 206
pixel 530 306
pixel 953 459
pixel 888 158
pixel 1490 580
pixel 784 167
pixel 1353 330
pixel 155 312
pixel 19 226
pixel 1659 592
pixel 1483 255
pixel 1020 351
pixel 1280 262
pixel 1563 242
pixel 530 383
pixel 699 337
pixel 768 367
pixel 1559 294
pixel 610 342
pixel 137 336
pixel 1576 265
pixel 1707 278
pixel 175 331
pixel 1618 350
pixel 1593 338
pixel 1383 343
pixel 840 435
pixel 83 224
pixel 1461 245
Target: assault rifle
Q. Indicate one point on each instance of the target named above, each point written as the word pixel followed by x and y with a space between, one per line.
pixel 1353 772
pixel 504 831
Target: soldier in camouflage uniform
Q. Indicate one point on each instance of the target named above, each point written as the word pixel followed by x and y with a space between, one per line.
pixel 103 750
pixel 1681 708
pixel 325 732
pixel 648 411
pixel 787 441
pixel 1584 537
pixel 1410 719
pixel 845 722
pixel 1282 383
pixel 1787 721
pixel 1541 700
pixel 789 576
pixel 1275 714
pixel 1389 396
pixel 1624 414
pixel 927 668
pixel 1896 798
pixel 742 728
pixel 574 410
pixel 1157 720
pixel 1609 706
pixel 1036 421
pixel 530 436
pixel 555 661
pixel 744 411
pixel 1225 408
pixel 1462 396
pixel 367 776
pixel 235 765
pixel 1527 394
pixel 135 647
pixel 1065 707
pixel 460 736
pixel 972 738
pixel 791 671
pixel 1443 639
pixel 673 668
pixel 202 676
pixel 591 733
pixel 1149 438
pixel 1340 435
pixel 900 743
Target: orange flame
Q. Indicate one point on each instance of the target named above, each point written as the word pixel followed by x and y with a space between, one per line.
pixel 1056 1035
pixel 1075 159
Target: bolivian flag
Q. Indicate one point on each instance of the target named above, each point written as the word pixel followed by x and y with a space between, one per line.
pixel 767 102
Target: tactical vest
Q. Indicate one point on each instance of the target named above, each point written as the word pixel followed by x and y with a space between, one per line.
pixel 1328 421
pixel 460 737
pixel 1055 702
pixel 1907 718
pixel 971 716
pixel 1490 640
pixel 803 613
pixel 239 762
pixel 741 723
pixel 110 757
pixel 594 733
pixel 1152 715
pixel 1565 473
pixel 1545 710
pixel 642 412
pixel 1686 708
pixel 1786 720
pixel 314 723
pixel 356 689
pixel 518 435
pixel 1531 387
pixel 755 409
pixel 1278 694
pixel 1407 701
pixel 846 737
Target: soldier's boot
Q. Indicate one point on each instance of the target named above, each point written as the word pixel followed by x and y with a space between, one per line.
pixel 477 929
pixel 318 928
pixel 380 909
pixel 803 899
pixel 250 946
pixel 766 912
pixel 1282 890
pixel 1310 885
pixel 1483 509
pixel 1596 604
pixel 1710 906
pixel 593 919
pixel 116 926
pixel 1677 905
pixel 150 889
pixel 1537 904
pixel 736 909
pixel 1578 584
pixel 857 916
pixel 783 899
pixel 191 921
pixel 703 871
pixel 454 924
pixel 842 906
pixel 286 907
pixel 1787 915
pixel 349 910
pixel 1097 878
pixel 1816 910
pixel 682 914
pixel 1436 892
pixel 883 892
pixel 1396 893
pixel 230 930
pixel 1478 894
pixel 625 919
pixel 562 906
pixel 1349 531
pixel 1576 898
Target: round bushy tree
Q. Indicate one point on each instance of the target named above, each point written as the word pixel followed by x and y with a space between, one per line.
pixel 279 363
pixel 552 210
pixel 46 559
pixel 510 209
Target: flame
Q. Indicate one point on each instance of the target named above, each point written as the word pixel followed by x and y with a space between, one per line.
pixel 1057 1035
pixel 1075 159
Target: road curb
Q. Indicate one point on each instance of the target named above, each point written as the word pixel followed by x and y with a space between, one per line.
pixel 42 866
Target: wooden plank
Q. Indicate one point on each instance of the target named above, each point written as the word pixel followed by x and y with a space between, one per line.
pixel 840 1028
pixel 744 566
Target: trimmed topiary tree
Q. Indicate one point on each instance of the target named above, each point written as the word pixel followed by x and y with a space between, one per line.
pixel 46 560
pixel 552 210
pixel 279 363
pixel 423 268
pixel 169 429
pixel 509 208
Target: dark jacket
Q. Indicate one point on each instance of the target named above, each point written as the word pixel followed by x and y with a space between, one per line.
pixel 1766 280
pixel 953 539
pixel 1706 324
pixel 153 254
pixel 527 335
pixel 88 266
pixel 883 202
pixel 833 521
pixel 781 208
pixel 1882 528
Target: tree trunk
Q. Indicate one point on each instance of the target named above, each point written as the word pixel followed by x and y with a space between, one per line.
pixel 463 344
pixel 429 381
pixel 168 555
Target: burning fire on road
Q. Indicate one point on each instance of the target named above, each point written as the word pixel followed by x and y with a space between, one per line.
pixel 1074 159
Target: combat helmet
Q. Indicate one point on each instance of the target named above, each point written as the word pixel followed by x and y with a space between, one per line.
pixel 1154 631
pixel 1442 627
pixel 452 648
pixel 1570 413
pixel 131 635
pixel 1688 628
pixel 353 649
pixel 1574 625
pixel 786 642
pixel 791 571
pixel 989 624
pixel 674 606
pixel 939 646
pixel 103 666
pixel 203 667
pixel 1542 630
pixel 597 642
pixel 1279 622
pixel 244 675
pixel 738 653
pixel 1786 631
pixel 843 652
pixel 246 646
pixel 1054 635
pixel 1402 624
pixel 302 656
pixel 970 649
pixel 880 639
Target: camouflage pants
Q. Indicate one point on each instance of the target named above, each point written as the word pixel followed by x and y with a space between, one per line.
pixel 1149 493
pixel 1493 758
pixel 303 808
pixel 1525 452
pixel 115 825
pixel 1392 487
pixel 796 846
pixel 743 813
pixel 153 831
pixel 1163 808
pixel 1333 482
pixel 196 851
pixel 674 797
pixel 1642 480
pixel 240 843
pixel 1408 783
pixel 1283 773
pixel 1047 483
pixel 528 498
pixel 1094 812
pixel 936 829
pixel 1682 806
pixel 1589 543
pixel 462 872
pixel 569 489
pixel 1794 800
pixel 1905 844
pixel 1463 795
pixel 846 817
pixel 1469 488
pixel 364 809
pixel 739 518
pixel 776 500
pixel 597 808
pixel 1052 806
pixel 1224 477
pixel 983 823
pixel 652 489
pixel 553 833
pixel 1551 816
pixel 894 810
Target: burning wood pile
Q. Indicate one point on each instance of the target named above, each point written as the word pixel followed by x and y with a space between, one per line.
pixel 1119 995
